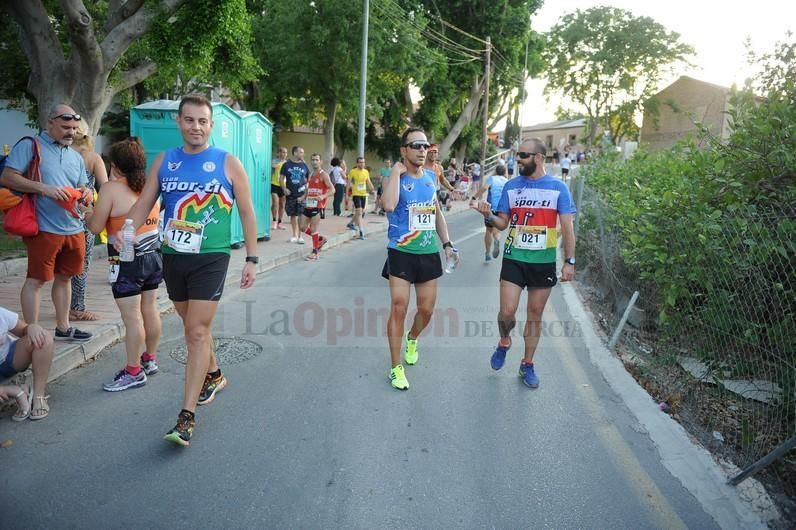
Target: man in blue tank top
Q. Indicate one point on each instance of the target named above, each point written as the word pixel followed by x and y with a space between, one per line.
pixel 416 221
pixel 198 184
pixel 493 190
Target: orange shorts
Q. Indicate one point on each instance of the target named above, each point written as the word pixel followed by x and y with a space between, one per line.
pixel 51 254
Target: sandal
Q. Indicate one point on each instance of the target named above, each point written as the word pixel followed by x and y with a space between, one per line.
pixel 84 316
pixel 41 408
pixel 23 414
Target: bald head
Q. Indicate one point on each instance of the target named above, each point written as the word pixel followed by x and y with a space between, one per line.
pixel 62 123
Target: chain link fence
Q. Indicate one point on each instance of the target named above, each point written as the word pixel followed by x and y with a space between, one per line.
pixel 720 356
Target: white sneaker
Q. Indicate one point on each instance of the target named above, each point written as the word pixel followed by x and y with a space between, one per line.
pixel 300 240
pixel 293 239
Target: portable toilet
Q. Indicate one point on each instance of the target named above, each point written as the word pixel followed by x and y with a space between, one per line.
pixel 256 136
pixel 155 123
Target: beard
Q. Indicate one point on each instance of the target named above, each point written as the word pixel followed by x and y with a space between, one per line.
pixel 526 170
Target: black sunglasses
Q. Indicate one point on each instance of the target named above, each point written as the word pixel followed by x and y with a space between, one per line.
pixel 417 146
pixel 68 117
pixel 523 154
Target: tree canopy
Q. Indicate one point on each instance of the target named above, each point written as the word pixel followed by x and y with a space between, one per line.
pixel 86 55
pixel 609 62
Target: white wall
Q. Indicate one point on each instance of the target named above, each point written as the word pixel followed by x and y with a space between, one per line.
pixel 12 125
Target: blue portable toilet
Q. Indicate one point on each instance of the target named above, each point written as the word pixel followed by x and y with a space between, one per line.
pixel 155 123
pixel 256 136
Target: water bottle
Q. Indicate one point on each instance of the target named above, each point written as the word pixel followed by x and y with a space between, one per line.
pixel 128 241
pixel 451 261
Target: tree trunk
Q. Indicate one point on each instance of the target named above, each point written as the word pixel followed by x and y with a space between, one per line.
pixel 328 134
pixel 467 115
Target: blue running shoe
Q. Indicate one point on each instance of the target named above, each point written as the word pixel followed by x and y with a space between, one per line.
pixel 528 375
pixel 499 357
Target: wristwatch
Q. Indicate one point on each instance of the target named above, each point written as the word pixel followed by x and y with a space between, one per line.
pixel 252 259
pixel 447 244
pixel 570 261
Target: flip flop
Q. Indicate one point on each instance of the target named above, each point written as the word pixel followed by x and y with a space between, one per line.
pixel 84 316
pixel 27 389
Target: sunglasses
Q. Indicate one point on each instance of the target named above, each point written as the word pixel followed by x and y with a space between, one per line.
pixel 68 117
pixel 417 146
pixel 523 154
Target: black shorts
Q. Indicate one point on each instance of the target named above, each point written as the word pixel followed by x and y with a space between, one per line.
pixel 379 192
pixel 277 190
pixel 487 222
pixel 195 276
pixel 312 212
pixel 414 268
pixel 359 201
pixel 293 206
pixel 564 171
pixel 530 275
pixel 144 273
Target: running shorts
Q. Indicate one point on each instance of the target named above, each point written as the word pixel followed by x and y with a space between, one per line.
pixel 530 275
pixel 195 276
pixel 144 273
pixel 414 268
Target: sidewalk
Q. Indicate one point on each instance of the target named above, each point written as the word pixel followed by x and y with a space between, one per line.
pixel 109 328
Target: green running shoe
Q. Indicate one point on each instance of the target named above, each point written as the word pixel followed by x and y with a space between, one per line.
pixel 398 378
pixel 410 356
pixel 182 432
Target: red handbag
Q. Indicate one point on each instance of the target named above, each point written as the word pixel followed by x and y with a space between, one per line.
pixel 21 220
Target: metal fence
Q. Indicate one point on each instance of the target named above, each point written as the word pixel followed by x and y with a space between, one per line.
pixel 723 363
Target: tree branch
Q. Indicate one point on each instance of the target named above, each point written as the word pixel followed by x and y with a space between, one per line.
pixel 85 48
pixel 39 41
pixel 119 11
pixel 134 27
pixel 132 77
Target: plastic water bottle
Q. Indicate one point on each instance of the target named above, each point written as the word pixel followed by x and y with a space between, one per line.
pixel 128 241
pixel 451 262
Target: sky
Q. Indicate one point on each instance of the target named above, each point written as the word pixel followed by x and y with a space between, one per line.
pixel 716 29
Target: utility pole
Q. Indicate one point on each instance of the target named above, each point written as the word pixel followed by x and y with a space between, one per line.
pixel 363 81
pixel 487 73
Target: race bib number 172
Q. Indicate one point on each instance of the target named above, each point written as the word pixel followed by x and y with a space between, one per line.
pixel 184 236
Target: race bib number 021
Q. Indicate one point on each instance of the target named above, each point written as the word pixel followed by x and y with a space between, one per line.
pixel 422 218
pixel 184 236
pixel 531 237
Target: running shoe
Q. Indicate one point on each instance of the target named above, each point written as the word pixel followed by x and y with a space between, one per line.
pixel 351 226
pixel 487 257
pixel 300 240
pixel 73 334
pixel 279 226
pixel 495 248
pixel 182 432
pixel 528 375
pixel 210 387
pixel 150 366
pixel 411 353
pixel 293 239
pixel 313 256
pixel 124 380
pixel 499 357
pixel 398 378
pixel 361 235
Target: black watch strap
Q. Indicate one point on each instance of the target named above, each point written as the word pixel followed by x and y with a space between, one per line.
pixel 447 244
pixel 252 259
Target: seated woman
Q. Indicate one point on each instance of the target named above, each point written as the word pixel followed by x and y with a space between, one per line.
pixel 34 347
pixel 134 283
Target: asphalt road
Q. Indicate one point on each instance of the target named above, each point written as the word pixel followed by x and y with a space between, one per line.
pixel 310 434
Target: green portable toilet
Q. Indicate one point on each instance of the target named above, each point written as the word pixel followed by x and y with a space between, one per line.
pixel 155 123
pixel 256 135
